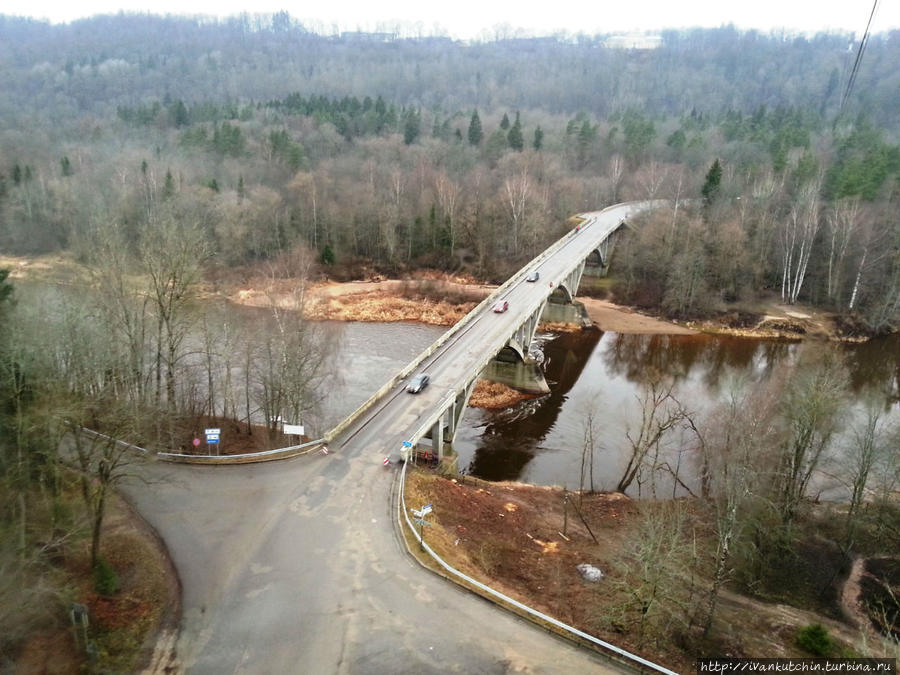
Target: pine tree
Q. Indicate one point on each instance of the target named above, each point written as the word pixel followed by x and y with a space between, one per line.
pixel 504 123
pixel 538 138
pixel 411 127
pixel 169 186
pixel 475 132
pixel 66 167
pixel 514 137
pixel 711 186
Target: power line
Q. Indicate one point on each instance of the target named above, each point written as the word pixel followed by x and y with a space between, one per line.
pixel 859 55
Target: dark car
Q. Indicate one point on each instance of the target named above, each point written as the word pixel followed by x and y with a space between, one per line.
pixel 501 307
pixel 534 276
pixel 418 383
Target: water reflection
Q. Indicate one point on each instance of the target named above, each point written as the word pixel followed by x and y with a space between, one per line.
pixel 701 357
pixel 511 438
pixel 540 442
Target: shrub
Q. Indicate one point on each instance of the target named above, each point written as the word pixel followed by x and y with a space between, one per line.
pixel 814 639
pixel 106 581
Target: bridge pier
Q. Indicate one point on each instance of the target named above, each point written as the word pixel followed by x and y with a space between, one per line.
pixel 573 312
pixel 524 376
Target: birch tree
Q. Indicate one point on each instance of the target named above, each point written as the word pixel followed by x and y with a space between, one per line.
pixel 447 192
pixel 843 222
pixel 516 190
pixel 798 233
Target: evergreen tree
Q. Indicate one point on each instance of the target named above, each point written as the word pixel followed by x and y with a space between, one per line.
pixel 711 186
pixel 66 167
pixel 169 186
pixel 514 137
pixel 327 257
pixel 213 185
pixel 17 174
pixel 411 127
pixel 538 138
pixel 504 123
pixel 475 132
pixel 241 192
pixel 179 114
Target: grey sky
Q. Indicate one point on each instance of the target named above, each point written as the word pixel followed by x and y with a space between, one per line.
pixel 471 19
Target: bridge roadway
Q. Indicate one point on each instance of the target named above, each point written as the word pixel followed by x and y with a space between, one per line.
pixel 296 567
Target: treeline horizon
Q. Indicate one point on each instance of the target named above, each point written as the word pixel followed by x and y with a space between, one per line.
pixel 396 155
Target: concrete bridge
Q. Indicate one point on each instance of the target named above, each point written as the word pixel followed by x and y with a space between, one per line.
pixel 488 344
pixel 296 566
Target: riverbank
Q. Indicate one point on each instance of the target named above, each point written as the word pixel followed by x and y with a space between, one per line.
pixel 442 301
pixel 528 541
pixel 437 302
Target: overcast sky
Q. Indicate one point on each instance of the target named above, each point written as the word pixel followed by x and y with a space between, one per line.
pixel 467 19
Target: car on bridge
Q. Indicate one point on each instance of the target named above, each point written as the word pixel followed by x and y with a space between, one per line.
pixel 418 383
pixel 501 307
pixel 534 276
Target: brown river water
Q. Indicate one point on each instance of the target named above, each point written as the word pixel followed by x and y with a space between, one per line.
pixel 540 441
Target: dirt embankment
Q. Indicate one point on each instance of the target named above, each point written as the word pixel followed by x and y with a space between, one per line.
pixel 527 541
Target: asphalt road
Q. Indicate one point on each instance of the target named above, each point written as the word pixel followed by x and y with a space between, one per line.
pixel 296 567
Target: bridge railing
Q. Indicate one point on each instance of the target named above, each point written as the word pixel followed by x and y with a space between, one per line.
pixel 459 325
pixel 437 344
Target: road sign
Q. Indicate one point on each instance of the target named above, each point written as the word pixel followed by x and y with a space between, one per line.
pixel 215 432
pixel 387 460
pixel 212 440
pixel 426 510
pixel 196 442
pixel 407 444
pixel 294 429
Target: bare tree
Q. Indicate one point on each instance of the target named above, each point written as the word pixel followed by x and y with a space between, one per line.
pixel 872 441
pixel 811 406
pixel 292 359
pixel 173 254
pixel 591 433
pixel 656 573
pixel 735 437
pixel 660 412
pixel 122 304
pixel 448 197
pixel 103 459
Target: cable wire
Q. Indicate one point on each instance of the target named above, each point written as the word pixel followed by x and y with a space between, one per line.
pixel 859 55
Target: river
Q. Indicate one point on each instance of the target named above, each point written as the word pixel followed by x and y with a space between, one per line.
pixel 540 441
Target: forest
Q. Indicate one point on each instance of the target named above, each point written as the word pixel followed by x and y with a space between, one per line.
pixel 396 154
pixel 161 152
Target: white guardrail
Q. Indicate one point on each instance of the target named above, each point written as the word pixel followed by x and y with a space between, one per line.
pixel 245 458
pixel 633 659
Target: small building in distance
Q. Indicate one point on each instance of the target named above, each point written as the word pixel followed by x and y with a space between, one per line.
pixel 633 41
